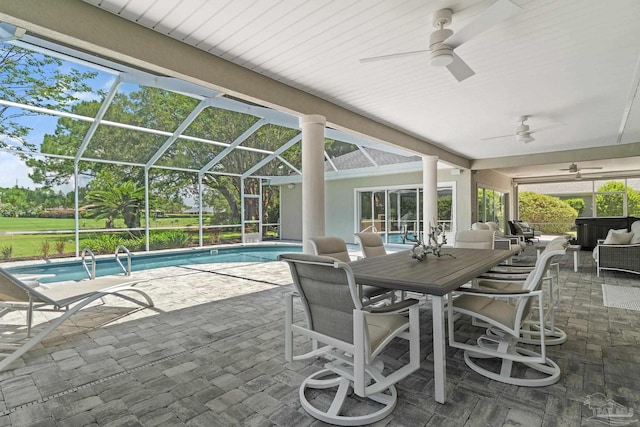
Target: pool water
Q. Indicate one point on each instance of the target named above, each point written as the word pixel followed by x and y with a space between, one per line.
pixel 73 270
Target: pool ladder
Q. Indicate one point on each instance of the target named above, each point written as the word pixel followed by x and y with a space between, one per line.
pixel 91 272
pixel 89 264
pixel 127 270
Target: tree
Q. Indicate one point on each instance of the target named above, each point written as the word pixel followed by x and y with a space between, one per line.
pixel 612 204
pixel 549 214
pixel 165 110
pixel 32 78
pixel 125 199
pixel 577 204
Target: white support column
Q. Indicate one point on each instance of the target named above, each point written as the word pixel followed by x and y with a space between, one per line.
pixel 430 191
pixel 312 178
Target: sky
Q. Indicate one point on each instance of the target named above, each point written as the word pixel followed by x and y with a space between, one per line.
pixel 13 170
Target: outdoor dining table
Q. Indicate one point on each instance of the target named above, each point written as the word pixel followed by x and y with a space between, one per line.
pixel 435 276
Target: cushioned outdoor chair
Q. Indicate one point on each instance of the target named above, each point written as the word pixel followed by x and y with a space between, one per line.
pixel 371 244
pixel 520 228
pixel 67 298
pixel 335 247
pixel 352 336
pixel 513 278
pixel 502 241
pixel 497 352
pixel 474 239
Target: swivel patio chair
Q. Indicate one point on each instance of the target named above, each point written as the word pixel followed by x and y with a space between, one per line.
pixel 513 278
pixel 67 298
pixel 373 246
pixel 474 239
pixel 353 337
pixel 336 248
pixel 502 241
pixel 501 343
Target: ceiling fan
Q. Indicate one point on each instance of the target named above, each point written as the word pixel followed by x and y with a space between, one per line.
pixel 443 41
pixel 573 168
pixel 522 134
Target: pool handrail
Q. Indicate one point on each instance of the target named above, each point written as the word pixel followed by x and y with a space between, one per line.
pixel 92 273
pixel 127 270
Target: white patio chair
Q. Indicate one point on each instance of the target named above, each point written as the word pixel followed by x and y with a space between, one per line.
pixel 336 248
pixel 513 278
pixel 474 239
pixel 507 321
pixel 352 335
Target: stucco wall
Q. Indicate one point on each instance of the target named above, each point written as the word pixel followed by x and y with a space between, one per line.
pixel 340 203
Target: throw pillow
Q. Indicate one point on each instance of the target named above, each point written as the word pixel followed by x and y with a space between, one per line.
pixel 635 227
pixel 636 238
pixel 618 237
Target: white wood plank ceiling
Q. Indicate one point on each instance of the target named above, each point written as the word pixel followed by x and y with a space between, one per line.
pixel 571 65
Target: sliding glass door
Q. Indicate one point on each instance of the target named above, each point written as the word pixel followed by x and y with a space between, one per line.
pixel 398 212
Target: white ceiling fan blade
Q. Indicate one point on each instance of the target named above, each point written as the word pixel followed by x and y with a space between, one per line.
pixel 392 56
pixel 459 69
pixel 494 14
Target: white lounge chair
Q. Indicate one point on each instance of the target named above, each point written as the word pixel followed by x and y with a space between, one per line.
pixel 67 298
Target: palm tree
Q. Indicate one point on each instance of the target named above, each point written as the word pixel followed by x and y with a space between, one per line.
pixel 126 199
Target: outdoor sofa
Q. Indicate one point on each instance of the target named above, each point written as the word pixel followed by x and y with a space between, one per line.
pixel 620 250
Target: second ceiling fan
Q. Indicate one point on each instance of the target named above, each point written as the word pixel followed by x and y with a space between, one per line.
pixel 444 41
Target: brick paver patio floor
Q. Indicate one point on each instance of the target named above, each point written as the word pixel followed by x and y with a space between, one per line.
pixel 211 353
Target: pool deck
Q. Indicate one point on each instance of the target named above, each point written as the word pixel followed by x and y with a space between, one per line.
pixel 211 353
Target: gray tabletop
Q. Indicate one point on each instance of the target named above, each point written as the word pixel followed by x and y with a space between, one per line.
pixel 434 276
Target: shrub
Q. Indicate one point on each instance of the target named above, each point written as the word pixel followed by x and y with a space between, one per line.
pixel 578 204
pixel 45 247
pixel 105 243
pixel 6 251
pixel 60 246
pixel 546 213
pixel 169 239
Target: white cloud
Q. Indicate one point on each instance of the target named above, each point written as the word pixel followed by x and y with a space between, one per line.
pixel 14 170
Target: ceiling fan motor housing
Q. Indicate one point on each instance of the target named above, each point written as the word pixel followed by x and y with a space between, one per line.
pixel 441 54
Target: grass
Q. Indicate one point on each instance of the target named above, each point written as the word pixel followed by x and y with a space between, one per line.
pixel 39 224
pixel 34 245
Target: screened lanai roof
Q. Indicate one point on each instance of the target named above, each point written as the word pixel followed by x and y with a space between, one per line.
pixel 167 123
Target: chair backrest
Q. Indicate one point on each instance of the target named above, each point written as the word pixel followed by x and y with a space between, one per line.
pixel 328 292
pixel 371 244
pixel 535 278
pixel 474 239
pixel 333 247
pixel 14 290
pixel 493 226
pixel 512 227
pixel 479 226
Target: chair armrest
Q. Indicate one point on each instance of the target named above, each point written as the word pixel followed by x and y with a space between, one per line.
pixel 393 308
pixel 494 292
pixel 499 281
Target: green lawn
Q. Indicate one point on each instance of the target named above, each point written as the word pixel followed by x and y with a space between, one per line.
pixel 38 224
pixel 37 245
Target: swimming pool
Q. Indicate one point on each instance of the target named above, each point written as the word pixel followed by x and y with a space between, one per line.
pixel 73 270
